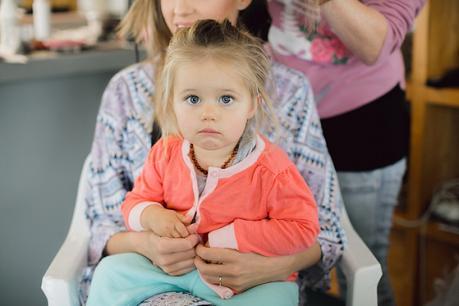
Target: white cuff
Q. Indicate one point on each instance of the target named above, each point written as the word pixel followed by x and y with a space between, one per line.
pixel 224 237
pixel 134 216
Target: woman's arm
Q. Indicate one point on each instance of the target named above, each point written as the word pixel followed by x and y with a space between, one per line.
pixel 241 271
pixel 362 29
pixel 306 147
pixel 371 29
pixel 108 178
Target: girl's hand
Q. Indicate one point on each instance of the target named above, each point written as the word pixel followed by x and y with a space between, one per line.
pixel 175 256
pixel 165 222
pixel 239 271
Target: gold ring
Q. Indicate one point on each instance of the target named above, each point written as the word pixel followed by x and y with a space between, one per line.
pixel 219 281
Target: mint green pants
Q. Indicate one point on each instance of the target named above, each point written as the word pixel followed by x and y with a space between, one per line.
pixel 129 279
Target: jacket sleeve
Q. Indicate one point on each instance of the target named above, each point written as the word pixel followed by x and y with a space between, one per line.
pixel 291 226
pixel 148 188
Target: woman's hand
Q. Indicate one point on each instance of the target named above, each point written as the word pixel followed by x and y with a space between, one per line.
pixel 239 271
pixel 242 271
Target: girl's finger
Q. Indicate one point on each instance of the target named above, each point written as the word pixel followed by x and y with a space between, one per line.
pixel 184 219
pixel 192 228
pixel 181 229
pixel 176 234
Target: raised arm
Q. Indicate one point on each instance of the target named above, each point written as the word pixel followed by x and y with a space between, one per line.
pixel 371 29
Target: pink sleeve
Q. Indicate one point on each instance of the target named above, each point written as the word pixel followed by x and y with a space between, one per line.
pixel 147 187
pixel 400 15
pixel 292 225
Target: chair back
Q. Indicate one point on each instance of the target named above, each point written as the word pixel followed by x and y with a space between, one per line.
pixel 80 224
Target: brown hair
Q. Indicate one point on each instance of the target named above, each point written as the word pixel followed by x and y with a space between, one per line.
pixel 145 23
pixel 209 39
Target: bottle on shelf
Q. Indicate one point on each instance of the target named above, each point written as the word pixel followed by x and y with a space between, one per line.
pixel 41 19
pixel 9 29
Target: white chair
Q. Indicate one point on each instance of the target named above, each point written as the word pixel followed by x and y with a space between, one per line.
pixel 60 282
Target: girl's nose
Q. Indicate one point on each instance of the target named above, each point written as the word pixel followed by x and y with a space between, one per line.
pixel 209 112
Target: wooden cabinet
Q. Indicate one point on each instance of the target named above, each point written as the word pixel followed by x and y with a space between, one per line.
pixel 435 123
pixel 426 250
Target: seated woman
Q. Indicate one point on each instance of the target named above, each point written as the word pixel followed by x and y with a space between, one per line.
pixel 123 138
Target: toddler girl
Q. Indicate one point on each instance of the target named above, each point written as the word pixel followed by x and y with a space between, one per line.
pixel 212 173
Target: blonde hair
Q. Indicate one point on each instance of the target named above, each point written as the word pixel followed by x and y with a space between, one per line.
pixel 209 39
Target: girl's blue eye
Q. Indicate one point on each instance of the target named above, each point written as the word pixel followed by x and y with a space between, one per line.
pixel 193 99
pixel 226 99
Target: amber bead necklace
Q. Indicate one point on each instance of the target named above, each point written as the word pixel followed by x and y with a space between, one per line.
pixel 204 171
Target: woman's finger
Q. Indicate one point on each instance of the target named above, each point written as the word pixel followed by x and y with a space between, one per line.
pixel 215 274
pixel 212 270
pixel 179 268
pixel 169 259
pixel 216 254
pixel 181 272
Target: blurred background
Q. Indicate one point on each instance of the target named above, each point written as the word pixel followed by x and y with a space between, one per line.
pixel 50 90
pixel 54 66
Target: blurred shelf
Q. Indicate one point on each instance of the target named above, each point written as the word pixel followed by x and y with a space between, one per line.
pixel 446 97
pixel 442 232
pixel 432 229
pixel 59 21
pixel 105 57
pixel 438 96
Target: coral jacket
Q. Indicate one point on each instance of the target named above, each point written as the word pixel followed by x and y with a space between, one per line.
pixel 261 204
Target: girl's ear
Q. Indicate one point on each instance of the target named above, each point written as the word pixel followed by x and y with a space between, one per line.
pixel 243 4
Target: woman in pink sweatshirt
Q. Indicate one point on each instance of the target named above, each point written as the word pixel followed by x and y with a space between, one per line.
pixel 213 174
pixel 350 51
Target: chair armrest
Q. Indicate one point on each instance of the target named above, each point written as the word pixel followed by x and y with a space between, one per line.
pixel 361 269
pixel 61 281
